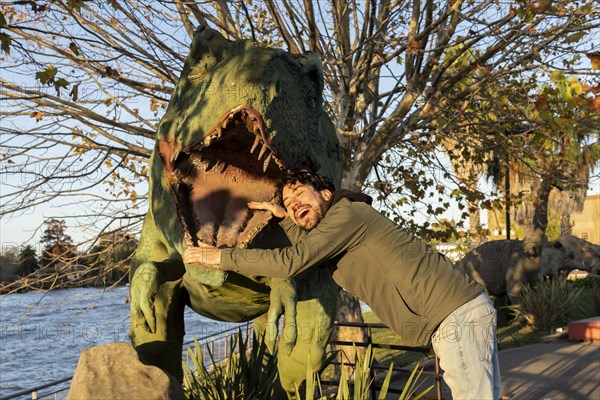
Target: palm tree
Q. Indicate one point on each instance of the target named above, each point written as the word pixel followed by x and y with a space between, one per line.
pixel 28 260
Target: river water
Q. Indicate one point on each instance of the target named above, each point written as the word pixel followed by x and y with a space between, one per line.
pixel 42 333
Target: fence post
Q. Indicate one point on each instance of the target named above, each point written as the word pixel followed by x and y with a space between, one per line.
pixel 438 378
pixel 371 369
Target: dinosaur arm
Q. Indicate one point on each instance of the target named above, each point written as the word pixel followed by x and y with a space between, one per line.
pixel 153 263
pixel 282 302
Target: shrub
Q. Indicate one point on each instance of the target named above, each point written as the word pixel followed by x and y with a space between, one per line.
pixel 591 284
pixel 549 303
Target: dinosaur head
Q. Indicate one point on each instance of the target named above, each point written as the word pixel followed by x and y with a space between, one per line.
pixel 240 116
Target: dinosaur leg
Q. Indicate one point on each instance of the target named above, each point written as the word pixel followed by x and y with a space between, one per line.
pixel 161 344
pixel 315 313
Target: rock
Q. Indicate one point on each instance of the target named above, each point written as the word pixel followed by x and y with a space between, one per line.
pixel 114 371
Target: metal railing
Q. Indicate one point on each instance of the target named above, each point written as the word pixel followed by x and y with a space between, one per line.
pixel 217 344
pixel 217 341
pixel 375 387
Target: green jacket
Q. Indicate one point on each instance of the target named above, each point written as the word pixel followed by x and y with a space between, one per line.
pixel 410 287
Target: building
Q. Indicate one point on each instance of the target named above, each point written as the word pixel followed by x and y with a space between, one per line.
pixel 585 224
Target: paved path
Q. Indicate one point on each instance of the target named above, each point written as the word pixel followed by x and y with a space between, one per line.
pixel 558 370
pixel 553 371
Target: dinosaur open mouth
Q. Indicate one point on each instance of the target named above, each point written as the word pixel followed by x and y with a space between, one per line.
pixel 214 180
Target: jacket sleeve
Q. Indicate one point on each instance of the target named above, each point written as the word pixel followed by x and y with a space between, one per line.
pixel 340 230
pixel 293 232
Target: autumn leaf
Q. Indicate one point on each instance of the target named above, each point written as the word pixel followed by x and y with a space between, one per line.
pixel 5 42
pixel 75 92
pixel 74 48
pixel 542 102
pixel 46 76
pixel 594 105
pixel 37 115
pixel 3 23
pixel 595 59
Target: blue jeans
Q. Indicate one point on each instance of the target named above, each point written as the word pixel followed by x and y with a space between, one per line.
pixel 465 343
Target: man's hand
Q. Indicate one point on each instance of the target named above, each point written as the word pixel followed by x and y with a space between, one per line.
pixel 275 209
pixel 203 254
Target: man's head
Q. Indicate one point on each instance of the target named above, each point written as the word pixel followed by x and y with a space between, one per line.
pixel 305 197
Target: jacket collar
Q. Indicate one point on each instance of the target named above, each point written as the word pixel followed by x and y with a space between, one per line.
pixel 350 195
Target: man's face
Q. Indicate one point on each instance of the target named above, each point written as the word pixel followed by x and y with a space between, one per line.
pixel 304 204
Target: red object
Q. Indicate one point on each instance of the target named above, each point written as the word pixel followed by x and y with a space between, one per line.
pixel 587 330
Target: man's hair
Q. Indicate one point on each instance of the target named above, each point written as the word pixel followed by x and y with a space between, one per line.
pixel 305 178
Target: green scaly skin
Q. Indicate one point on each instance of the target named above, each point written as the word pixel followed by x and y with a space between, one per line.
pixel 286 91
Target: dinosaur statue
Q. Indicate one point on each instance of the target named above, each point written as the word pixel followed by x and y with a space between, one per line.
pixel 240 116
pixel 504 266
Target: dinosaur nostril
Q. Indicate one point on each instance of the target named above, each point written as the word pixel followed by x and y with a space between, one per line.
pixel 278 86
pixel 275 88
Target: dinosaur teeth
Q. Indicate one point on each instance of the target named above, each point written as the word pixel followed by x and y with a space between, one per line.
pixel 255 145
pixel 267 161
pixel 262 151
pixel 175 153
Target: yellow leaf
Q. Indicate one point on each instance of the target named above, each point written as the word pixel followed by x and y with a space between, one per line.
pixel 557 76
pixel 576 87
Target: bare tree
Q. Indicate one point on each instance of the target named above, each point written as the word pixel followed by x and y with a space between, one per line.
pixel 84 128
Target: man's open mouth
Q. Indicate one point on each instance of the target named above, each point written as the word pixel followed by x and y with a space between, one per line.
pixel 302 212
pixel 213 180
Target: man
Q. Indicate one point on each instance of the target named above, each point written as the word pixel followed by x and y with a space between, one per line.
pixel 415 291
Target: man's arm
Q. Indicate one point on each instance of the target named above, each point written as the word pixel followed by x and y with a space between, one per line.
pixel 293 232
pixel 341 228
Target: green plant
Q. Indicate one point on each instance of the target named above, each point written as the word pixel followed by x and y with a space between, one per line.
pixel 246 374
pixel 362 381
pixel 549 303
pixel 591 288
pixel 587 283
pixel 251 374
